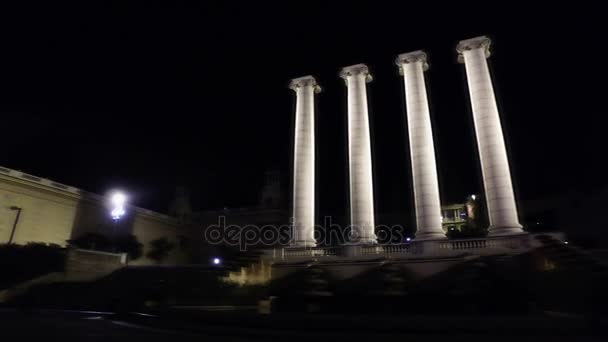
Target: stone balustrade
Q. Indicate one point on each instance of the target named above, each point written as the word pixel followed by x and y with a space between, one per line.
pixel 415 249
pixel 288 253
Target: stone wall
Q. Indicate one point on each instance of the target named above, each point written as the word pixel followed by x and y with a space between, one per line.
pixel 47 216
pixel 83 265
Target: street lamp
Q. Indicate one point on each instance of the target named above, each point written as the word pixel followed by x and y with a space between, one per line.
pixel 18 210
pixel 118 201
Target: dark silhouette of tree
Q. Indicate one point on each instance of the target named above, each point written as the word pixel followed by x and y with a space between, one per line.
pixel 160 249
pixel 477 223
pixel 131 246
pixel 92 241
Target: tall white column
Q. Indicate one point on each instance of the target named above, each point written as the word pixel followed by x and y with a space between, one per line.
pixel 304 162
pixel 359 155
pixel 422 151
pixel 498 186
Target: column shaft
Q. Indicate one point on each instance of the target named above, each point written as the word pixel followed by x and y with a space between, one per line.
pixel 500 199
pixel 304 163
pixel 359 156
pixel 422 150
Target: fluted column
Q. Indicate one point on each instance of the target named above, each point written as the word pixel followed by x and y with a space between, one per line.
pixel 498 186
pixel 304 162
pixel 422 151
pixel 359 155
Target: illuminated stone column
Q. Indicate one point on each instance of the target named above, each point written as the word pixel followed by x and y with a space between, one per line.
pixel 304 162
pixel 500 199
pixel 359 155
pixel 422 151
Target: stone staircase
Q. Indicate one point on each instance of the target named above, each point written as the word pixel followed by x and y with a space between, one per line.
pixel 568 279
pixel 568 256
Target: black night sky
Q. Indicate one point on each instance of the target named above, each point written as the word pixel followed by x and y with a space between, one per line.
pixel 147 95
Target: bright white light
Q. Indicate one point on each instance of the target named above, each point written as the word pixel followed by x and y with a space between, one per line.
pixel 117 213
pixel 217 261
pixel 473 197
pixel 118 201
pixel 408 239
pixel 566 242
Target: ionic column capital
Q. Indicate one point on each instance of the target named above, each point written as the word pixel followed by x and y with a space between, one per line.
pixel 481 42
pixel 305 81
pixel 412 57
pixel 357 69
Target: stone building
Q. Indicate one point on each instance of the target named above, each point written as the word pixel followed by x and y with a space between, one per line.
pixel 39 210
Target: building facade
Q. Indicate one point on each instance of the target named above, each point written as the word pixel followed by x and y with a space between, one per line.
pixel 39 210
pixel 454 216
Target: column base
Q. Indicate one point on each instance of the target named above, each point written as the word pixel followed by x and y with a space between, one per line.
pixel 430 236
pixel 302 244
pixel 505 230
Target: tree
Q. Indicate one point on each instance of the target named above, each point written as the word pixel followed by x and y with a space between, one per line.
pixel 91 241
pixel 131 246
pixel 477 221
pixel 160 249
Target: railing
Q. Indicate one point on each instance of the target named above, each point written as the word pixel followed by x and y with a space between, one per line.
pixel 282 253
pixel 463 244
pixel 387 249
pixel 483 246
pixel 503 242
